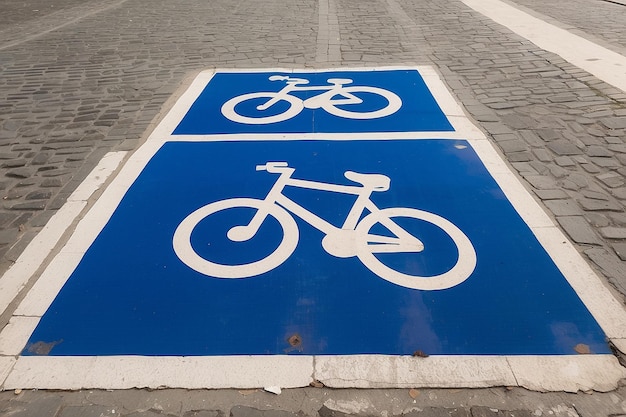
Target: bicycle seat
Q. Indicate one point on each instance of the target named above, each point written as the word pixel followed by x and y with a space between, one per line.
pixel 341 81
pixel 378 182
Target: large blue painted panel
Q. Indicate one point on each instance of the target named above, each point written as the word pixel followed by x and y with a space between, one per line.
pixel 374 101
pixel 131 294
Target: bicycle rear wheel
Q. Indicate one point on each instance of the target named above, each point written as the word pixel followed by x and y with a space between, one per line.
pixel 229 109
pixel 183 248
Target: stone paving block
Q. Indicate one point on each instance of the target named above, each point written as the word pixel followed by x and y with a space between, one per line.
pixel 542 155
pixel 548 135
pixel 564 147
pixel 149 413
pixel 541 182
pixel 620 250
pixel 439 412
pixel 243 411
pixel 551 194
pixel 610 265
pixel 614 122
pixel 618 218
pixel 563 207
pixel 599 205
pixel 578 229
pixel 89 411
pixel 204 413
pixel 598 150
pixel 494 412
pixel 564 161
pixel 611 179
pixel 613 232
pixel 519 157
pixel 597 219
pixel 46 406
pixel 606 162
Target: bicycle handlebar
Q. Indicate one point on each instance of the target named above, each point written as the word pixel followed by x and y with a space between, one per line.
pixel 272 166
pixel 288 79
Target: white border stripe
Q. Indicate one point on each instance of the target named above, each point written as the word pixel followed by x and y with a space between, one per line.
pixel 534 372
pixel 123 372
pixel 605 64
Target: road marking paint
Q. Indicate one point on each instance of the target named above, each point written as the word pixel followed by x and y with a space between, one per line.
pixel 603 63
pixel 193 372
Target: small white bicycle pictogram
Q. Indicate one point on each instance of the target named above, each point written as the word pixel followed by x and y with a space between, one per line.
pixel 333 95
pixel 353 238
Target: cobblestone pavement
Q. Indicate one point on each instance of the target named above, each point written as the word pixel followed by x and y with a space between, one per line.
pixel 82 78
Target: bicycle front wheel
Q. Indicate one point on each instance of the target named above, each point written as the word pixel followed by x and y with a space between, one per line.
pixel 261 117
pixel 183 248
pixel 459 272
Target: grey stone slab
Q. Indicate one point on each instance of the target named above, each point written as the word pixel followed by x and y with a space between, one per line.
pixel 619 218
pixel 610 265
pixel 599 205
pixel 620 250
pixel 597 219
pixel 596 195
pixel 578 229
pixel 613 232
pixel 563 207
pixel 611 179
pixel 149 413
pixel 204 413
pixel 564 161
pixel 598 150
pixel 619 193
pixel 439 412
pixel 564 147
pixel 542 155
pixel 494 412
pixel 551 194
pixel 243 411
pixel 606 162
pixel 614 122
pixel 541 182
pixel 46 406
pixel 90 411
pixel 549 134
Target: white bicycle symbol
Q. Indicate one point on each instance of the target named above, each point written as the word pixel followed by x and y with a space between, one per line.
pixel 352 239
pixel 335 94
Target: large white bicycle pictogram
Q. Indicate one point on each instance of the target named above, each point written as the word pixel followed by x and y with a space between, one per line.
pixel 354 238
pixel 333 95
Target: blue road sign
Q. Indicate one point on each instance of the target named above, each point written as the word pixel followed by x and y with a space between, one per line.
pixel 316 247
pixel 331 101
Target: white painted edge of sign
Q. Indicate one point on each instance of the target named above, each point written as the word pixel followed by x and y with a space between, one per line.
pixel 539 373
pixel 607 65
pixel 543 373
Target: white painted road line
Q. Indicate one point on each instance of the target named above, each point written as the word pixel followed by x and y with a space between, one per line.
pixel 603 63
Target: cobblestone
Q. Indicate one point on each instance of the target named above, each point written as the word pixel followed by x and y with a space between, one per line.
pixel 80 78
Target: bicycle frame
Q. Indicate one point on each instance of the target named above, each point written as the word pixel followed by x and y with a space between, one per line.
pixel 293 84
pixel 275 196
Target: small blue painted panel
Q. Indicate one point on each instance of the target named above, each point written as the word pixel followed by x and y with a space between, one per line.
pixel 338 101
pixel 386 247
